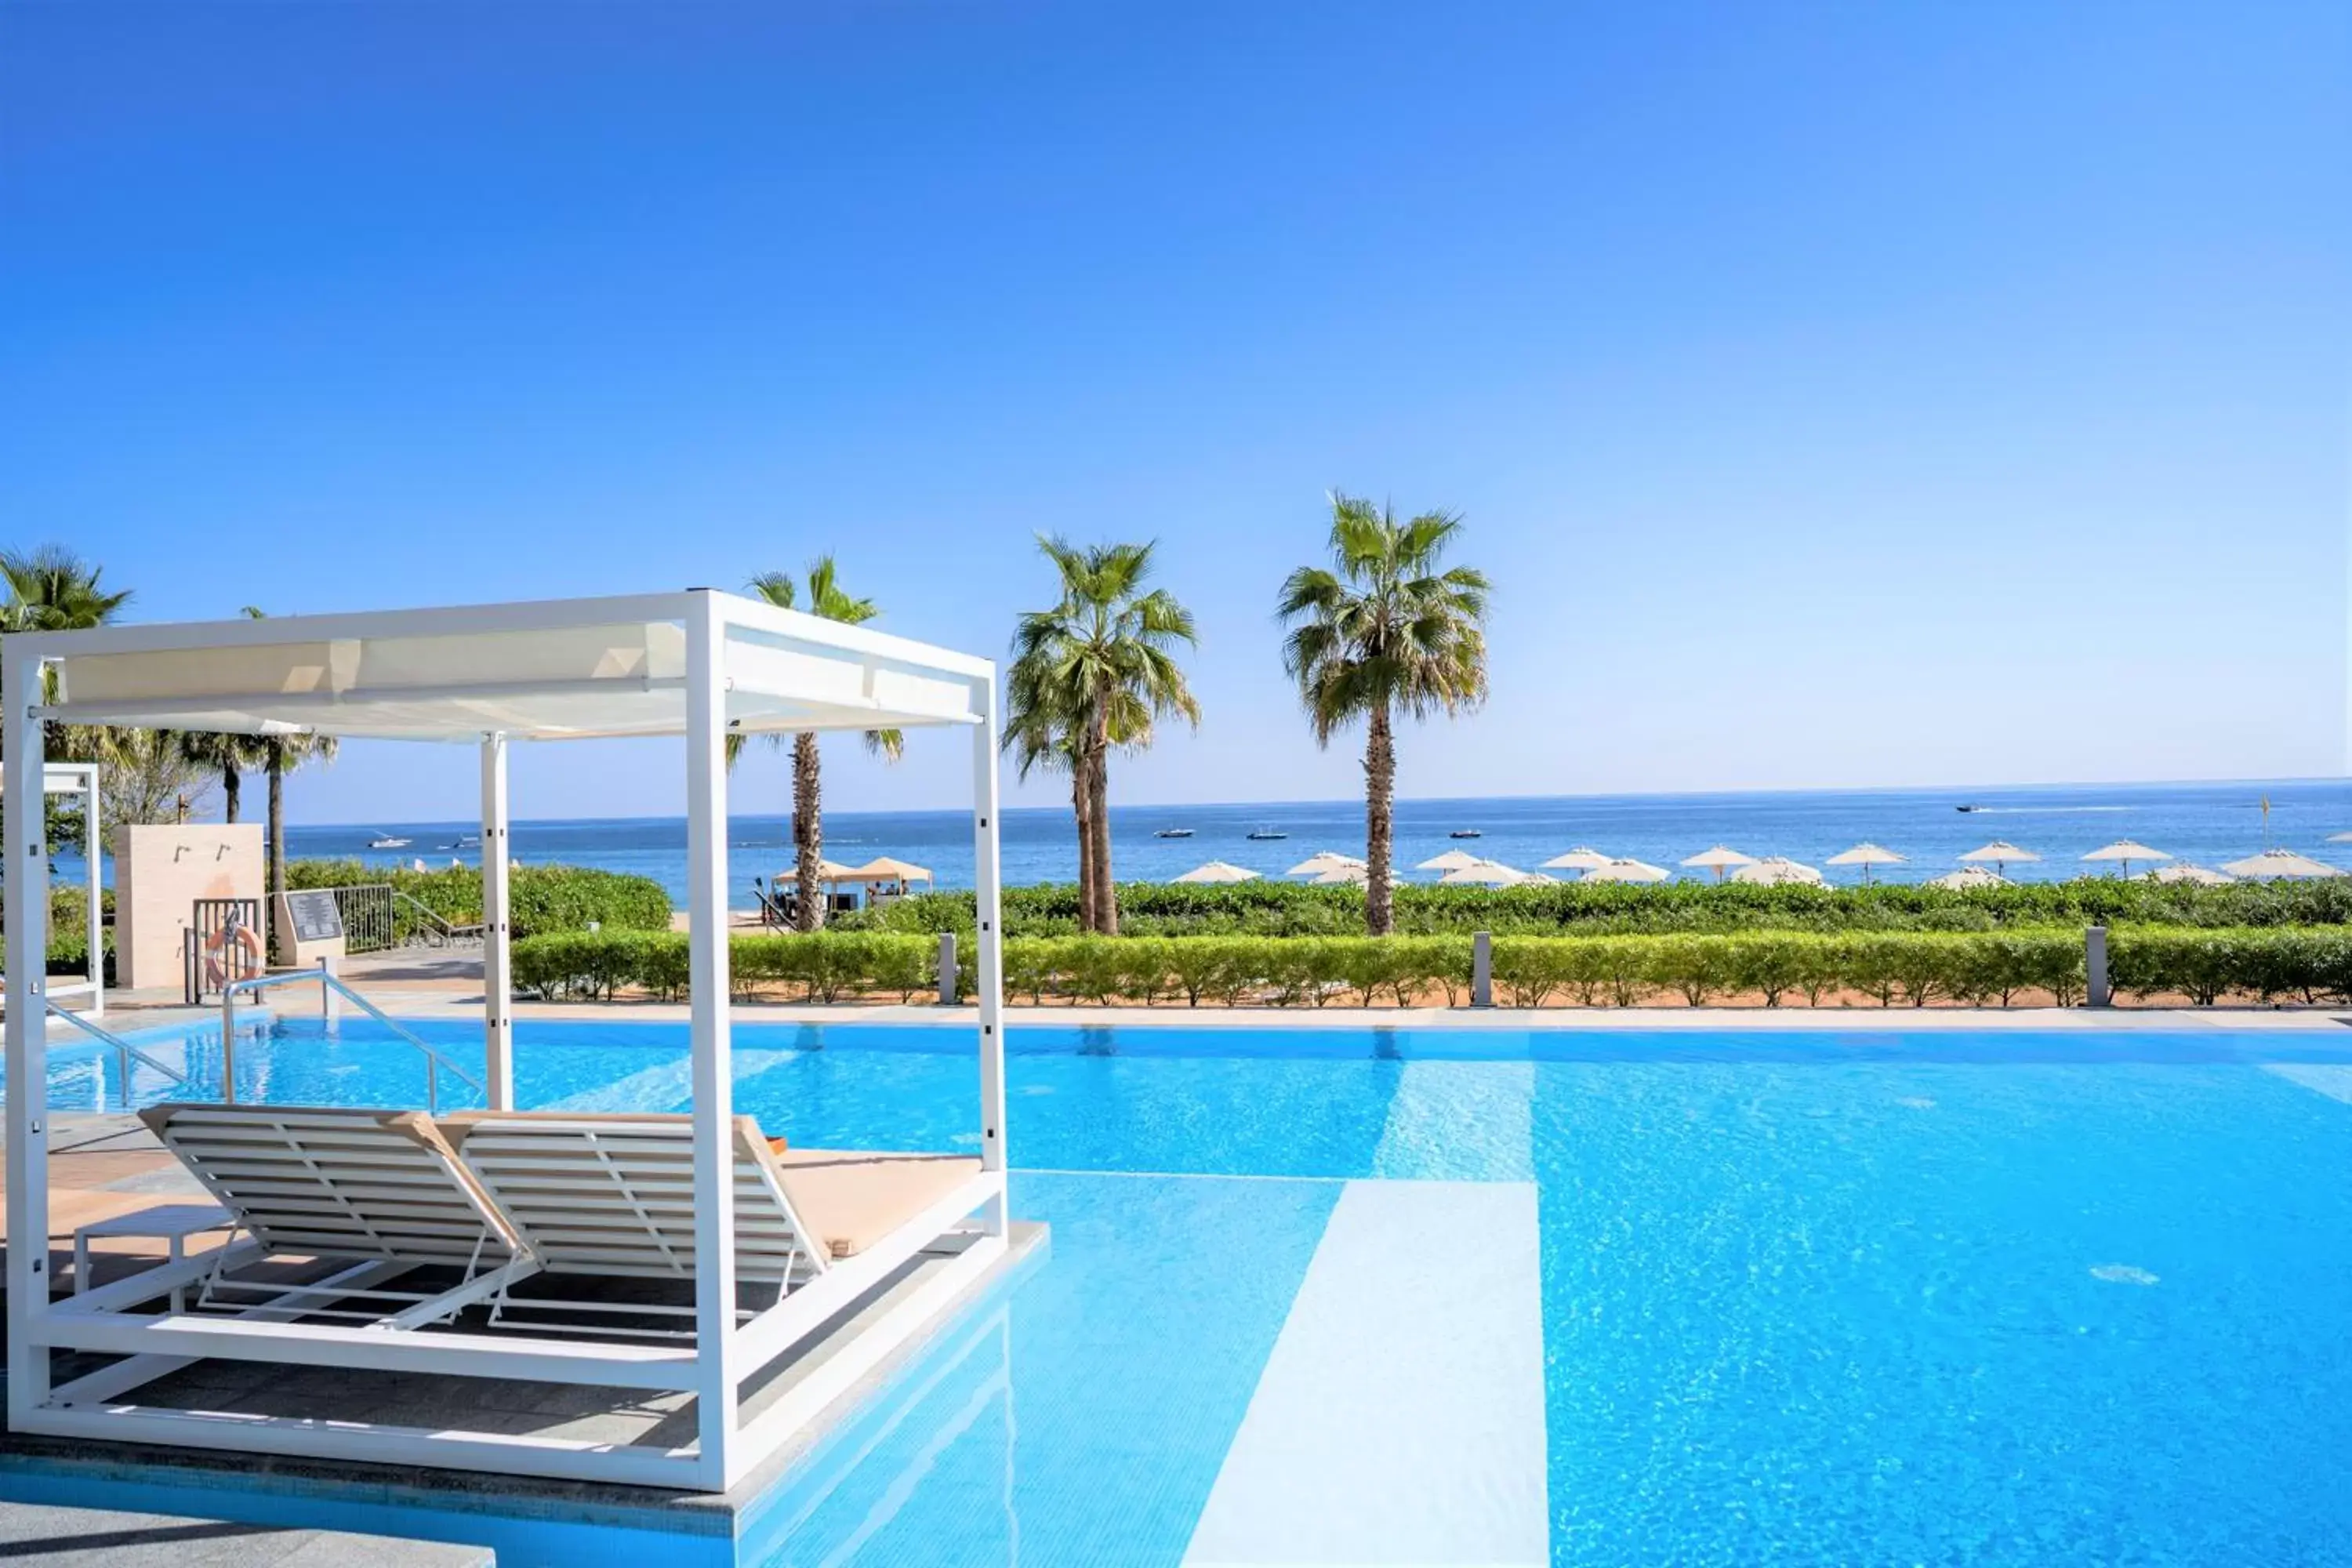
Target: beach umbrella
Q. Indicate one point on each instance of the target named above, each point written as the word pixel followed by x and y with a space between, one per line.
pixel 2280 863
pixel 1779 871
pixel 2001 852
pixel 1339 876
pixel 1628 871
pixel 1324 860
pixel 2184 872
pixel 2128 850
pixel 1451 860
pixel 1721 859
pixel 1484 874
pixel 1218 871
pixel 1583 858
pixel 1866 856
pixel 1968 877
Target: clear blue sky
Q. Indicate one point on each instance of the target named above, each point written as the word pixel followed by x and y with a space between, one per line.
pixel 1840 395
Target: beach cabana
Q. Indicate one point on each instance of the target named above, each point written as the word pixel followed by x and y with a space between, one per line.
pixel 698 665
pixel 1721 859
pixel 1628 871
pixel 1451 860
pixel 2181 871
pixel 1324 860
pixel 1215 872
pixel 1779 871
pixel 1968 877
pixel 2279 863
pixel 887 877
pixel 1865 855
pixel 1999 854
pixel 1583 858
pixel 2125 851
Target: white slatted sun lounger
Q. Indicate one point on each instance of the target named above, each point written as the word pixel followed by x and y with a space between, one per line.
pixel 612 1195
pixel 341 1184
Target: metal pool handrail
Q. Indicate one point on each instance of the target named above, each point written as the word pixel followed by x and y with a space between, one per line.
pixel 434 1060
pixel 124 1050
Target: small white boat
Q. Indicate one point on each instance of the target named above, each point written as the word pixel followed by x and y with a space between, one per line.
pixel 388 841
pixel 1174 832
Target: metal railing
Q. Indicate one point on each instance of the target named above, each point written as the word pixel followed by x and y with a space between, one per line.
pixel 125 1053
pixel 434 931
pixel 378 917
pixel 326 981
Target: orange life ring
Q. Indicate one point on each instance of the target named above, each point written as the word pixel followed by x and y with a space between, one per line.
pixel 243 943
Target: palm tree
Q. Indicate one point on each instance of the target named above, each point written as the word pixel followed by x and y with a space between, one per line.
pixel 1384 631
pixel 280 756
pixel 829 601
pixel 1096 671
pixel 231 757
pixel 52 589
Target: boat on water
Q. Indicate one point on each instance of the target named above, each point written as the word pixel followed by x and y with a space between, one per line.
pixel 389 841
pixel 1465 832
pixel 1174 832
pixel 1268 833
pixel 1967 808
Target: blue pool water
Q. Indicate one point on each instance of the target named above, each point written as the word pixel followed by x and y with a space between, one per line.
pixel 1811 1297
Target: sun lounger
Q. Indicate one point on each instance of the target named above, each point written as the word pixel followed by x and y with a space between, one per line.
pixel 342 1184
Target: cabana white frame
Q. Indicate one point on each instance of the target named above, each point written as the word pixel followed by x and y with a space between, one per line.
pixel 81 779
pixel 699 663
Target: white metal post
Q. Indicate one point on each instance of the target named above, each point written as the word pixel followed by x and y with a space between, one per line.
pixel 23 789
pixel 90 841
pixel 988 957
pixel 497 964
pixel 714 1144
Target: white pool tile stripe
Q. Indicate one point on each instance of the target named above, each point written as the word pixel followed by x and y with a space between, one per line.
pixel 2333 1081
pixel 1401 1417
pixel 669 1085
pixel 1460 1122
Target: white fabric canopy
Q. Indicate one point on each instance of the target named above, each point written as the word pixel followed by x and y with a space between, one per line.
pixel 532 671
pixel 1217 872
pixel 1451 860
pixel 1582 859
pixel 2280 863
pixel 1628 871
pixel 1774 871
pixel 1325 861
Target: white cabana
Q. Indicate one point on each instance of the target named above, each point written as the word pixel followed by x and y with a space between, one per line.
pixel 697 664
pixel 2272 863
pixel 1324 860
pixel 1216 872
pixel 1999 854
pixel 1719 859
pixel 1583 858
pixel 1628 871
pixel 1864 854
pixel 78 779
pixel 1341 877
pixel 1451 860
pixel 2125 851
pixel 1779 871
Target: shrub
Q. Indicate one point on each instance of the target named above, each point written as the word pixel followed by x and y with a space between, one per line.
pixel 539 899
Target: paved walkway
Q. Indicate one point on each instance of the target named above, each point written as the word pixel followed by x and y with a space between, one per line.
pixel 75 1537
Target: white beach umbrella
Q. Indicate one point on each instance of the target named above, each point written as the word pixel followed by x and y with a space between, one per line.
pixel 1628 871
pixel 1583 858
pixel 1218 871
pixel 1968 877
pixel 2181 871
pixel 2128 850
pixel 1485 874
pixel 1324 860
pixel 1721 859
pixel 1451 860
pixel 2001 852
pixel 1865 855
pixel 1339 876
pixel 2280 863
pixel 1778 870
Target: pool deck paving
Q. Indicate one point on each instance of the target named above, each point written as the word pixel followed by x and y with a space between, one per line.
pixel 75 1537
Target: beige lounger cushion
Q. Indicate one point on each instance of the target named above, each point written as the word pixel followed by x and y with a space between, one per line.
pixel 613 1192
pixel 853 1199
pixel 336 1181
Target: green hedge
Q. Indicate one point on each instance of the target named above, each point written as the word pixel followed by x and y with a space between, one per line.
pixel 1274 907
pixel 540 899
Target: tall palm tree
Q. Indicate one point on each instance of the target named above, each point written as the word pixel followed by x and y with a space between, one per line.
pixel 1097 671
pixel 52 589
pixel 231 757
pixel 280 756
pixel 830 602
pixel 1384 631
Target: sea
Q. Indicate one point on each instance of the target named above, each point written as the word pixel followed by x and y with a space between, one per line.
pixel 2203 823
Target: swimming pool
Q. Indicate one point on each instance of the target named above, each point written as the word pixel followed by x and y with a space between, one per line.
pixel 1813 1296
